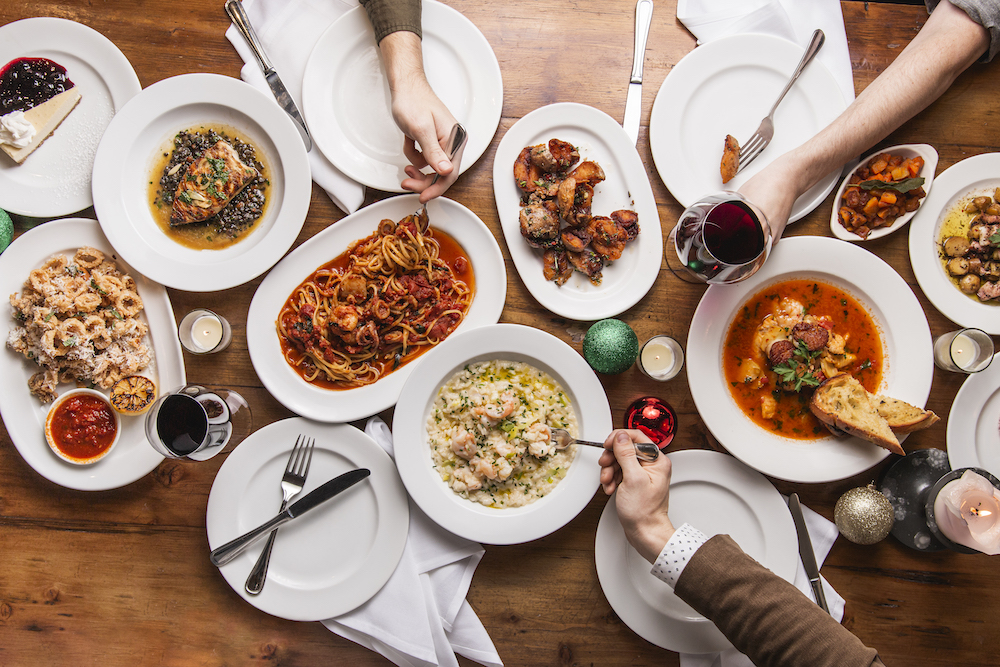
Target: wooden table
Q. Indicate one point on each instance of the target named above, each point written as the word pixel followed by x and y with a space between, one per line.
pixel 122 577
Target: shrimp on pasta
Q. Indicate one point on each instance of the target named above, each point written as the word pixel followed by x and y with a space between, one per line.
pixel 376 307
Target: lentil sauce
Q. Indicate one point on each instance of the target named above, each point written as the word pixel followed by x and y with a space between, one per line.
pixel 850 319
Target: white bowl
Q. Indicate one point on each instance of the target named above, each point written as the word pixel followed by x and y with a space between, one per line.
pixel 925 151
pixel 55 406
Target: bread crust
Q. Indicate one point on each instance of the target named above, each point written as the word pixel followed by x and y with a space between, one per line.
pixel 843 403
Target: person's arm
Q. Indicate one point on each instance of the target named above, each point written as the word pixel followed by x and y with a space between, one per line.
pixel 417 110
pixel 948 43
pixel 764 616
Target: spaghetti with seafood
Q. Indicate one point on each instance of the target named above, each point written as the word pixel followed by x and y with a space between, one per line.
pixel 378 306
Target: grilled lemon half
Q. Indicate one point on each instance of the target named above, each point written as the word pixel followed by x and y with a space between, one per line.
pixel 133 395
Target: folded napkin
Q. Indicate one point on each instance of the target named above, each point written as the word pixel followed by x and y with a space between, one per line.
pixel 289 29
pixel 823 534
pixel 793 20
pixel 420 618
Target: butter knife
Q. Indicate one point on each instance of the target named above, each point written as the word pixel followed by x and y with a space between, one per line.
pixel 234 548
pixel 238 15
pixel 633 101
pixel 806 552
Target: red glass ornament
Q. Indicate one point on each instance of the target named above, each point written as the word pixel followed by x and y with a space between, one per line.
pixel 653 417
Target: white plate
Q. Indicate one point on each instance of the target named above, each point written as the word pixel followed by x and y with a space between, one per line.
pixel 726 87
pixel 979 174
pixel 716 494
pixel 131 146
pixel 345 405
pixel 906 342
pixel 603 140
pixel 334 558
pixel 974 422
pixel 930 156
pixel 471 520
pixel 24 415
pixel 55 179
pixel 345 95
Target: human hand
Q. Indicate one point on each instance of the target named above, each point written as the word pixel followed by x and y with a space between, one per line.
pixel 773 190
pixel 643 492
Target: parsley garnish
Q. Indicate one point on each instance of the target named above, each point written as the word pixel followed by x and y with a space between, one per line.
pixel 795 371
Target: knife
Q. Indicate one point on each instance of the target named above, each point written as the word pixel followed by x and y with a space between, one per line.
pixel 242 22
pixel 806 552
pixel 633 101
pixel 231 550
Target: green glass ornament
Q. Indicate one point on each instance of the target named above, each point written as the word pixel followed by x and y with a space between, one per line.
pixel 610 346
pixel 864 515
pixel 6 230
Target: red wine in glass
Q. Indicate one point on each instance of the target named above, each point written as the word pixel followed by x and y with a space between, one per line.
pixel 195 422
pixel 722 238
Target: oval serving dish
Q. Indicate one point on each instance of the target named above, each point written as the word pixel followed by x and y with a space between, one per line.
pixel 930 156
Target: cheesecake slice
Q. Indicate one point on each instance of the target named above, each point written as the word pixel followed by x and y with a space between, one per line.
pixel 45 118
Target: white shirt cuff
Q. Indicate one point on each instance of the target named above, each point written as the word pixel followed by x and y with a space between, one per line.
pixel 676 552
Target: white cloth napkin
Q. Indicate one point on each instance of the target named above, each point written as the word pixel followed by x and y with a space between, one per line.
pixel 823 534
pixel 421 618
pixel 289 29
pixel 793 20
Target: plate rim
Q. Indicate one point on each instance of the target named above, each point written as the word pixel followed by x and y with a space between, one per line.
pixel 489 525
pixel 169 364
pixel 826 459
pixel 610 543
pixel 647 255
pixel 209 274
pixel 393 526
pixel 435 13
pixel 330 405
pixel 960 435
pixel 950 185
pixel 665 153
pixel 122 83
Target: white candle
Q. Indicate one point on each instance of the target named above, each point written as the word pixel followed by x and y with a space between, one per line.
pixel 964 351
pixel 967 512
pixel 206 332
pixel 661 358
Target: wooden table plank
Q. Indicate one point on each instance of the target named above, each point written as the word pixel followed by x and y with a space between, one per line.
pixel 121 577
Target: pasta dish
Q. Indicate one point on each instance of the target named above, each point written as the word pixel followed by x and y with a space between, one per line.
pixel 376 307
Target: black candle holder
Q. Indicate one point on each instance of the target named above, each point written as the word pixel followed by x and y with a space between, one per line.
pixel 932 496
pixel 906 484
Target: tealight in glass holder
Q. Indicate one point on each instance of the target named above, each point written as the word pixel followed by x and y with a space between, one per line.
pixel 204 332
pixel 963 351
pixel 661 358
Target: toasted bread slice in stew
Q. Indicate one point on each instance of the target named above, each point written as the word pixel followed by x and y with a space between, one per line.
pixel 842 402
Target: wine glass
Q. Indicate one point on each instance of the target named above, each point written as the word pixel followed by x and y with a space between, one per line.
pixel 196 423
pixel 722 238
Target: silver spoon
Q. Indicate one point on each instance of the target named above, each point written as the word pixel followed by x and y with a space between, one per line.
pixel 644 451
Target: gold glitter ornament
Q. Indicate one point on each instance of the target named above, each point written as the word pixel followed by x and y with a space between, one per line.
pixel 864 515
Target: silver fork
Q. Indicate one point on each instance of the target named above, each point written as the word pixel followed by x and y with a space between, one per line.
pixel 762 137
pixel 292 482
pixel 456 140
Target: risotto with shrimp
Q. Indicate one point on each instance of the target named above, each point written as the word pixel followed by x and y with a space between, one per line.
pixel 489 432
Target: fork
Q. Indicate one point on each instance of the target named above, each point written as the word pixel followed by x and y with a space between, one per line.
pixel 456 140
pixel 644 451
pixel 762 137
pixel 292 481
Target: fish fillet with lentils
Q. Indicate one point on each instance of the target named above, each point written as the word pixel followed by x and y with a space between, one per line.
pixel 210 184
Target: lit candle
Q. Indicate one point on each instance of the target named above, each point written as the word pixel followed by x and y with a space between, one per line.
pixel 661 358
pixel 202 332
pixel 967 512
pixel 964 351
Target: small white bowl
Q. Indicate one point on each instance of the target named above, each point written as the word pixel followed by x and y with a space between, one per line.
pixel 52 411
pixel 925 151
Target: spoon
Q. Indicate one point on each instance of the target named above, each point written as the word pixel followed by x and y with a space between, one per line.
pixel 644 451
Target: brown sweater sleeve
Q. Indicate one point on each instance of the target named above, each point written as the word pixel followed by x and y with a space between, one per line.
pixel 388 16
pixel 763 615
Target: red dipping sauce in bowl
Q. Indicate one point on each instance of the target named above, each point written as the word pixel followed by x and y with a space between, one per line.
pixel 82 427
